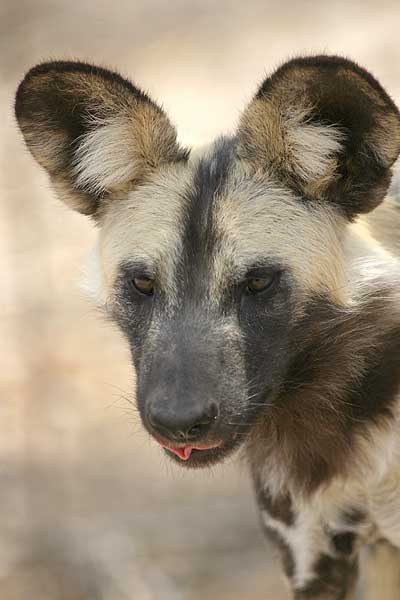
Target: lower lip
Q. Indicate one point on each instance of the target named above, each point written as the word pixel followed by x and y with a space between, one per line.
pixel 185 452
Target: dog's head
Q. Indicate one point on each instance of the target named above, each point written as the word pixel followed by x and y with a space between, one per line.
pixel 208 261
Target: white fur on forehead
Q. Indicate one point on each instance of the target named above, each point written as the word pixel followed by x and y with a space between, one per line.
pixel 146 225
pixel 256 219
pixel 259 220
pixel 143 225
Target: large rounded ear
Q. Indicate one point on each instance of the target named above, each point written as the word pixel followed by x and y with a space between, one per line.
pixel 325 127
pixel 93 131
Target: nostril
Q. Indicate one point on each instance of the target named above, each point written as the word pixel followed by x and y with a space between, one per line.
pixel 204 424
pixel 195 430
pixel 183 425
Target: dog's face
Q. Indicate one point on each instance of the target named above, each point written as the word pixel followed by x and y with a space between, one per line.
pixel 208 261
pixel 207 284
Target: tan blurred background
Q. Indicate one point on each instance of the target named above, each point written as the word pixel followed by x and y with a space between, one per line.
pixel 89 509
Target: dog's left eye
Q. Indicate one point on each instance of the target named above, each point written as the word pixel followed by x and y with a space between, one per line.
pixel 144 285
pixel 259 284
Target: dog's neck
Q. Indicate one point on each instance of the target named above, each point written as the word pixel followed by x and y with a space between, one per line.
pixel 343 382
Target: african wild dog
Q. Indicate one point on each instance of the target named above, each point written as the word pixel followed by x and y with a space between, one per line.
pixel 262 309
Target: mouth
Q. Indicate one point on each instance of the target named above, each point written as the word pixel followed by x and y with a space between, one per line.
pixel 197 456
pixel 206 452
pixel 186 451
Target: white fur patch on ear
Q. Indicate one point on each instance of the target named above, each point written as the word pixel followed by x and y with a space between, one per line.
pixel 107 157
pixel 125 148
pixel 284 141
pixel 313 147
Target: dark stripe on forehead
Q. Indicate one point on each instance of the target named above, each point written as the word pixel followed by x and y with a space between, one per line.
pixel 200 235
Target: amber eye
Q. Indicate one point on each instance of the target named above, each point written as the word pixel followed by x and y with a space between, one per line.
pixel 257 285
pixel 144 285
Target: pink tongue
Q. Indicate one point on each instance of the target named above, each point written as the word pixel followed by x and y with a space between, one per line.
pixel 183 453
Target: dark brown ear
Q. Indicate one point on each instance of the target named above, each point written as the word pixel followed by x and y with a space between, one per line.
pixel 325 127
pixel 93 131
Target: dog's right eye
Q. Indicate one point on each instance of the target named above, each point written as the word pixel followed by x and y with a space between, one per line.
pixel 260 281
pixel 144 285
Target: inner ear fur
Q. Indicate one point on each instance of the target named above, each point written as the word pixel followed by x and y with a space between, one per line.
pixel 324 126
pixel 93 131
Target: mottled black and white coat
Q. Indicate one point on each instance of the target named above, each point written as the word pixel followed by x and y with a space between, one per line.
pixel 258 284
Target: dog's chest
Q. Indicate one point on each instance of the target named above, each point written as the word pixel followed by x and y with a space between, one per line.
pixel 365 508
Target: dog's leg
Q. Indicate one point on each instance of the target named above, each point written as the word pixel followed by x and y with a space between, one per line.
pixel 380 572
pixel 323 577
pixel 320 564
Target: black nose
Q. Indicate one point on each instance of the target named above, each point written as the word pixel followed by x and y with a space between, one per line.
pixel 184 424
